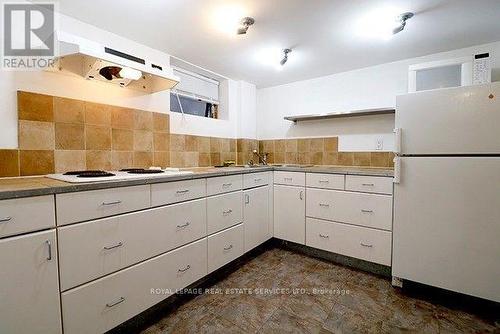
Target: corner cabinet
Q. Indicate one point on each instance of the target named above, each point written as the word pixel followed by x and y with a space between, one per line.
pixel 256 216
pixel 29 289
pixel 290 213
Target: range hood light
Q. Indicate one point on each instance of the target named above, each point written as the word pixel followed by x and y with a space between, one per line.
pixel 130 73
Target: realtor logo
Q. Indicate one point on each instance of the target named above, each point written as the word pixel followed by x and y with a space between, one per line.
pixel 28 34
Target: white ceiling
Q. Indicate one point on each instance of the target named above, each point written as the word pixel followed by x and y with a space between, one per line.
pixel 322 33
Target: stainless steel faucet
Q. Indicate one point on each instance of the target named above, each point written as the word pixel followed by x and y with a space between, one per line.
pixel 262 157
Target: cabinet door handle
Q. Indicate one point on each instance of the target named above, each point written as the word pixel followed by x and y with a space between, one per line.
pixel 182 192
pixel 183 225
pixel 326 236
pixel 366 245
pixel 367 184
pixel 324 205
pixel 228 247
pixel 301 195
pixel 111 203
pixel 366 211
pixel 119 301
pixel 247 199
pixel 113 247
pixel 49 249
pixel 225 213
pixel 6 219
pixel 184 269
pixel 225 185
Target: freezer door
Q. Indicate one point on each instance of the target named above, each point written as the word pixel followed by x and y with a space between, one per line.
pixel 462 120
pixel 447 224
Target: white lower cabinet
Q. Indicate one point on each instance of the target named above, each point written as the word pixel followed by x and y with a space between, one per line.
pixel 97 248
pixel 370 210
pixel 256 216
pixel 290 213
pixel 355 241
pixel 29 285
pixel 101 305
pixel 224 211
pixel 224 247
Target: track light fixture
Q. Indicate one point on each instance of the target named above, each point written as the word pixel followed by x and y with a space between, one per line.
pixel 246 22
pixel 285 56
pixel 402 22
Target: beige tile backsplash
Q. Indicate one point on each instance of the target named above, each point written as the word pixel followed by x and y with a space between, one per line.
pixel 59 134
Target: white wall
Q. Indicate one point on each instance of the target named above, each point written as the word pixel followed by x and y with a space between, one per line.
pixel 247 120
pixel 371 87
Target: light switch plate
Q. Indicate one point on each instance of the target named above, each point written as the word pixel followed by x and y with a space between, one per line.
pixel 379 144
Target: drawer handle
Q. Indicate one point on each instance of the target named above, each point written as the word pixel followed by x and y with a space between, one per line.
pixel 119 301
pixel 324 181
pixel 368 184
pixel 5 220
pixel 111 203
pixel 228 248
pixel 113 247
pixel 225 213
pixel 326 236
pixel 49 249
pixel 288 178
pixel 225 185
pixel 366 245
pixel 366 211
pixel 183 225
pixel 185 269
pixel 182 192
pixel 324 205
pixel 257 180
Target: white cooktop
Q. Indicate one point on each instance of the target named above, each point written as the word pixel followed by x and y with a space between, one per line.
pixel 119 176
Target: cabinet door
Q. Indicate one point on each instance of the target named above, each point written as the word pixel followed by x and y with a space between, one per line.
pixel 290 213
pixel 255 216
pixel 29 292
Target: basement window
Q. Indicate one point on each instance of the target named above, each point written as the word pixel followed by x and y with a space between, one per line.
pixel 195 95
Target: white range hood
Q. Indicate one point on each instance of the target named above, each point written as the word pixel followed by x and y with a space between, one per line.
pixel 93 61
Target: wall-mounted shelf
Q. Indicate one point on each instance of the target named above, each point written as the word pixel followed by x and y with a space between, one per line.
pixel 351 113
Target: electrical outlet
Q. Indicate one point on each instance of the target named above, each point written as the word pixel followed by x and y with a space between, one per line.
pixel 379 144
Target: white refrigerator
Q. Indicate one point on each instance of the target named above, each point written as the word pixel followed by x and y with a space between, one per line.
pixel 446 230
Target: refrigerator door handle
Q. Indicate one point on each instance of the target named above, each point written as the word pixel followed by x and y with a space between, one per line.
pixel 397 140
pixel 397 170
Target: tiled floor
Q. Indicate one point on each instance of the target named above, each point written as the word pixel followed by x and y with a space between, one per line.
pixel 349 301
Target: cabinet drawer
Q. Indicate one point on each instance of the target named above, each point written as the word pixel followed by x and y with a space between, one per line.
pixel 327 181
pixel 354 241
pixel 369 184
pixel 173 192
pixel 26 214
pixel 102 305
pixel 290 178
pixel 368 210
pixel 87 205
pixel 224 247
pixel 224 184
pixel 252 180
pixel 224 211
pixel 97 248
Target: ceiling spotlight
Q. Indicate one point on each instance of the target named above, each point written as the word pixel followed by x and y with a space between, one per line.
pixel 246 22
pixel 285 56
pixel 401 19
